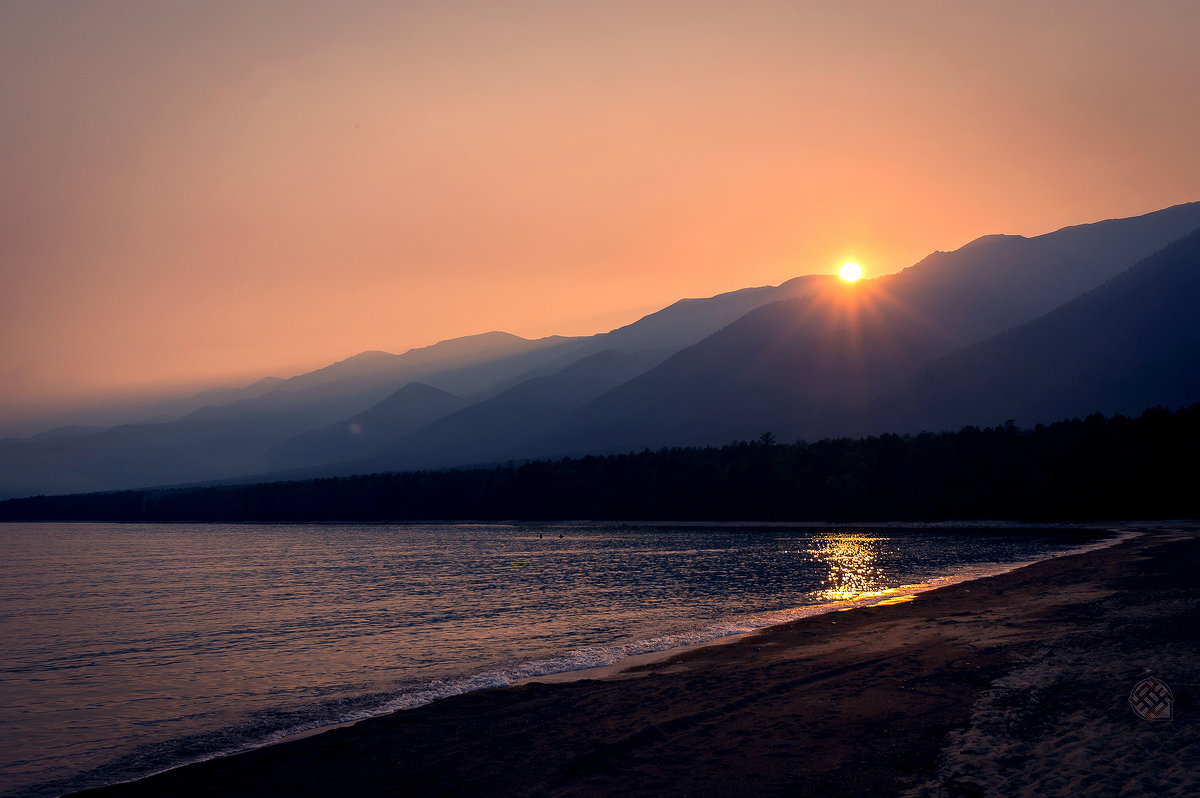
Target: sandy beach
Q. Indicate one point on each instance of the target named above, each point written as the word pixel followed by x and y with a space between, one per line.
pixel 1017 684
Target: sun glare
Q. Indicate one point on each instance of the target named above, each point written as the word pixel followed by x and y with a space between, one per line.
pixel 850 272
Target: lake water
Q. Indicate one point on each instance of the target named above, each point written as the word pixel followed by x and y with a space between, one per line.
pixel 129 649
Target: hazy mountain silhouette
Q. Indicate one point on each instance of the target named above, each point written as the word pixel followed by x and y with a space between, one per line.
pixel 791 367
pixel 172 409
pixel 133 454
pixel 682 323
pixel 104 413
pixel 216 442
pixel 802 367
pixel 998 281
pixel 369 432
pixel 511 423
pixel 1130 344
pixel 248 435
pixel 808 368
pixel 504 426
pixel 691 320
pixel 467 365
pixel 58 433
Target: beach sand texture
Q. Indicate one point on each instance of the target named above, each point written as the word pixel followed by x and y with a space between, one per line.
pixel 1017 684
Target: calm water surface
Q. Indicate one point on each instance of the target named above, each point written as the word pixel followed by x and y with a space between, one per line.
pixel 133 648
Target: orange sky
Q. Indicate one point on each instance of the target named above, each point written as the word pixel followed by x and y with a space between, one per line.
pixel 199 192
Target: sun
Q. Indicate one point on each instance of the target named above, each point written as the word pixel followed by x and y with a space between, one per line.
pixel 850 271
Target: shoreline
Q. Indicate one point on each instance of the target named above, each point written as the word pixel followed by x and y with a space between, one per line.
pixel 717 653
pixel 1102 537
pixel 895 595
pixel 998 524
pixel 593 661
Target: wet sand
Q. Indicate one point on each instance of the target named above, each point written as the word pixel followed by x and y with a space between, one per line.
pixel 1014 684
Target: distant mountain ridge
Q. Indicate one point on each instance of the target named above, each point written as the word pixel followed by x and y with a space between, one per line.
pixel 252 433
pixel 1129 344
pixel 363 435
pixel 682 323
pixel 997 281
pixel 810 358
pixel 787 368
pixel 215 442
pixel 513 423
pixel 795 368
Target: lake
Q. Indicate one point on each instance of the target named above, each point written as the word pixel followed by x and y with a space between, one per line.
pixel 129 649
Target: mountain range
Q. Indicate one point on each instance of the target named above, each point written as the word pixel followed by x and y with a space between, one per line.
pixel 1095 317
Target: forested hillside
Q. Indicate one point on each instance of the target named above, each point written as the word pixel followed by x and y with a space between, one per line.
pixel 1091 469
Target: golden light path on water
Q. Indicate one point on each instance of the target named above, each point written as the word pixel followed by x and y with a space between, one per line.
pixel 854 572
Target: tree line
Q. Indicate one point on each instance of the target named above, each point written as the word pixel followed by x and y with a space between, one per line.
pixel 1088 469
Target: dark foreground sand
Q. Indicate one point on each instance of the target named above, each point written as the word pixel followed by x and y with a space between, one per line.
pixel 1013 685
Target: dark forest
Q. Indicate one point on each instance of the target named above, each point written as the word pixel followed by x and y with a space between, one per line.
pixel 1079 470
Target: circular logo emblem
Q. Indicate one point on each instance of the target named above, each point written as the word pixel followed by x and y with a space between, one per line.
pixel 1151 699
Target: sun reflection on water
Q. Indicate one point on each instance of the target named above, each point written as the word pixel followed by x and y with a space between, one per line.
pixel 852 560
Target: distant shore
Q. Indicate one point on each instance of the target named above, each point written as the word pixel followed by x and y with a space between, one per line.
pixel 1009 684
pixel 1079 470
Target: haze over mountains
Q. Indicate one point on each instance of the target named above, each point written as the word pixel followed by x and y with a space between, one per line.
pixel 1097 317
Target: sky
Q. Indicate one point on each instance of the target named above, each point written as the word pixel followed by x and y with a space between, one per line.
pixel 202 193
